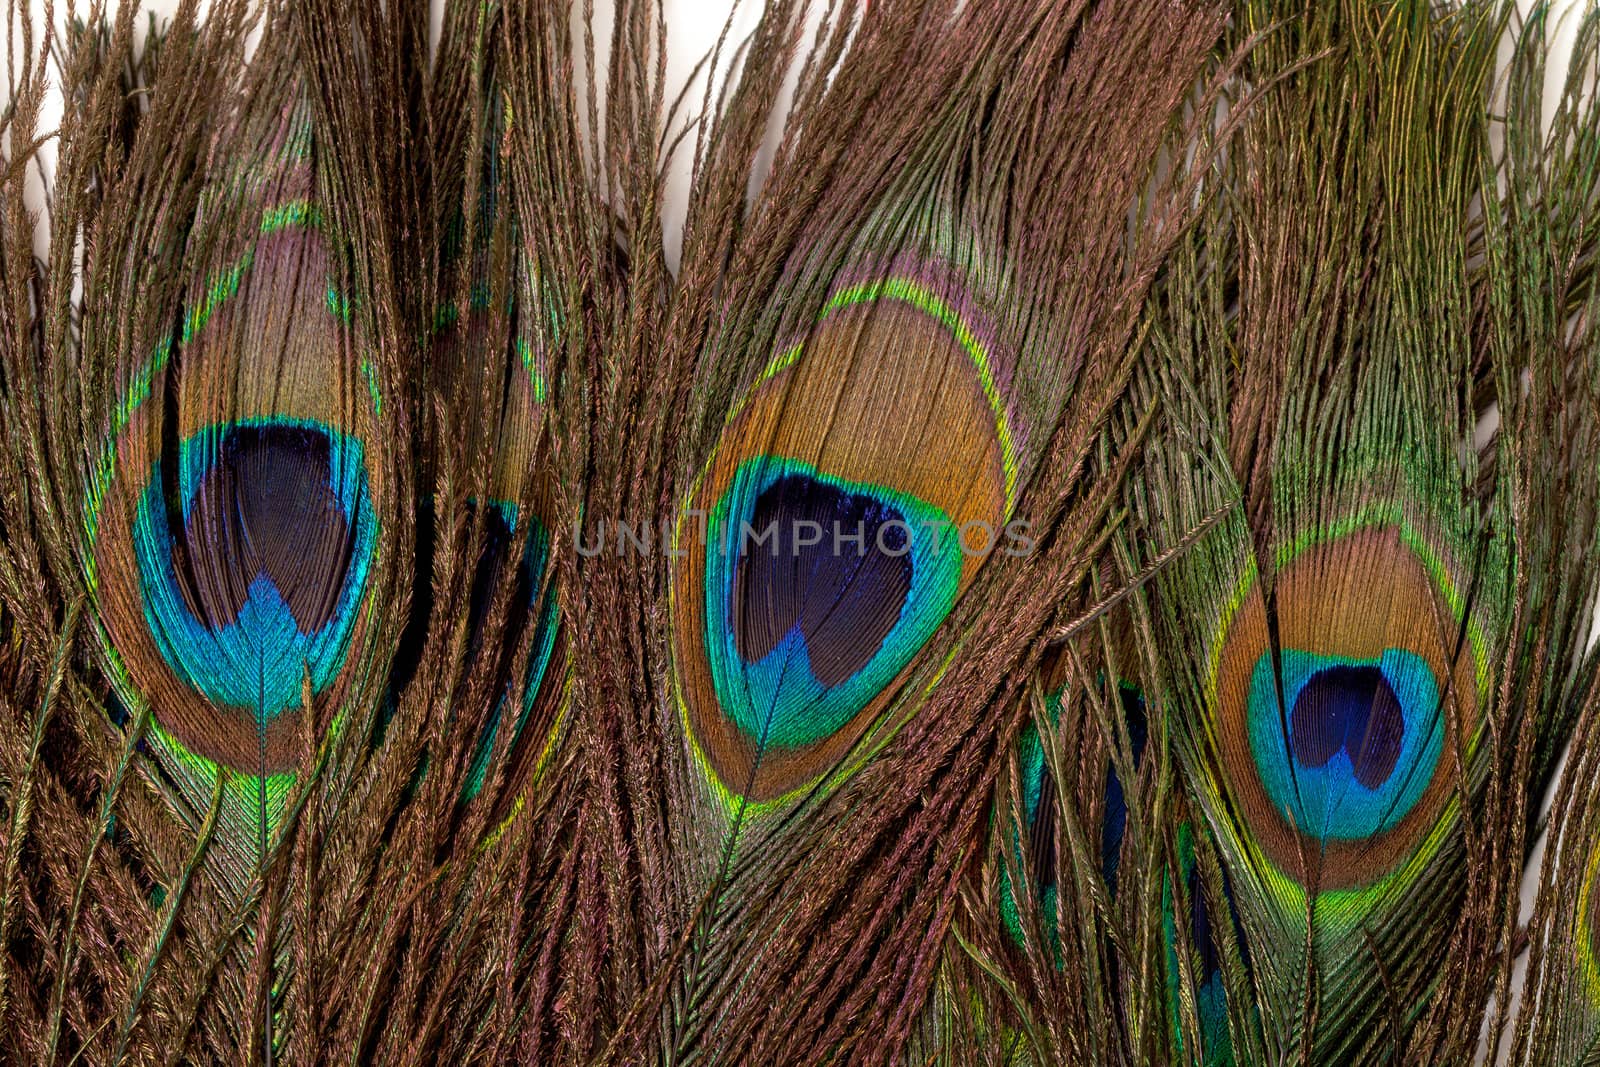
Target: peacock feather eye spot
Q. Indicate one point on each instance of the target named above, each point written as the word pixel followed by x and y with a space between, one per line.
pixel 826 589
pixel 820 547
pixel 264 510
pixel 1363 737
pixel 835 573
pixel 1353 710
pixel 253 567
pixel 1331 731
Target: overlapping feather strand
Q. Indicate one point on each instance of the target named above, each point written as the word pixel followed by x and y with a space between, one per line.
pixel 40 827
pixel 1370 662
pixel 1100 927
pixel 44 830
pixel 1550 219
pixel 1060 976
pixel 484 854
pixel 482 641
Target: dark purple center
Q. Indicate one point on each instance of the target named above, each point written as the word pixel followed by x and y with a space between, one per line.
pixel 1351 709
pixel 264 508
pixel 801 564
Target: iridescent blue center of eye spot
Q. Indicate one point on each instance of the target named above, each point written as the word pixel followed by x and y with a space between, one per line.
pixel 1116 817
pixel 1355 743
pixel 253 569
pixel 1352 710
pixel 500 540
pixel 819 591
pixel 1205 940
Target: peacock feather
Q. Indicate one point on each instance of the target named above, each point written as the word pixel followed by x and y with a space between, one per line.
pixel 232 518
pixel 1550 156
pixel 1117 937
pixel 226 498
pixel 833 547
pixel 490 357
pixel 1359 713
pixel 897 376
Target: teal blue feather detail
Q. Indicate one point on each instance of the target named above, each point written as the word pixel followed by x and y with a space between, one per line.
pixel 1210 991
pixel 831 629
pixel 1355 742
pixel 530 574
pixel 242 621
pixel 1038 789
pixel 1038 798
pixel 1034 777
